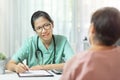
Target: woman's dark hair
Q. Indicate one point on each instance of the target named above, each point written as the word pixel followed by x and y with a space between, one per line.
pixel 38 14
pixel 107 25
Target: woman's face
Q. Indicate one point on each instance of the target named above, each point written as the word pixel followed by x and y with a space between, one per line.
pixel 43 28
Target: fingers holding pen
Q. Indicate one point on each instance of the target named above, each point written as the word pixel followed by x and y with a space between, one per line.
pixel 20 68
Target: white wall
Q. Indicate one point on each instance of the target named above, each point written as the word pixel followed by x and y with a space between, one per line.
pixel 71 18
pixel 2 13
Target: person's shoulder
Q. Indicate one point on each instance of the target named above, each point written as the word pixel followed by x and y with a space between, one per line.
pixel 76 61
pixel 81 57
pixel 32 38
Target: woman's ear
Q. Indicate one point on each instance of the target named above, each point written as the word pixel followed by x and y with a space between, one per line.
pixel 92 28
pixel 91 33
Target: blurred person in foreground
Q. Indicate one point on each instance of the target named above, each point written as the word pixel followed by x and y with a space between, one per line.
pixel 102 60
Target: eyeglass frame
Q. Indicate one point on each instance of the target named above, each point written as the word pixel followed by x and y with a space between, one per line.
pixel 46 26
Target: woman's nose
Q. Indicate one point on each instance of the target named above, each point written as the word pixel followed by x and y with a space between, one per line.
pixel 43 31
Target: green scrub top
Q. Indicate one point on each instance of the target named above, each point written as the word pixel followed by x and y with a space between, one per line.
pixel 27 52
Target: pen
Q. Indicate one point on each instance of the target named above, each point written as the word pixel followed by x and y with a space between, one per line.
pixel 22 63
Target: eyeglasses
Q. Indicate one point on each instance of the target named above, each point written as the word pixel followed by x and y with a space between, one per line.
pixel 46 26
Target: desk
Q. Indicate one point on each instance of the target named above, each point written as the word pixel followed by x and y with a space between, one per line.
pixel 13 76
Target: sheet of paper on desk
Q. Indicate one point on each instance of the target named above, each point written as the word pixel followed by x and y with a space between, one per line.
pixel 36 73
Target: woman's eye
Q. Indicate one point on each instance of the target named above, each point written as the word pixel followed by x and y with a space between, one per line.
pixel 46 24
pixel 39 27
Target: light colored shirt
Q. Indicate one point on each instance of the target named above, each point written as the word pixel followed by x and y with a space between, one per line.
pixel 94 65
pixel 63 51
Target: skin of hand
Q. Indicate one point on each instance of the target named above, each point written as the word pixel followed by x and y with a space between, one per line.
pixel 47 67
pixel 20 68
pixel 37 67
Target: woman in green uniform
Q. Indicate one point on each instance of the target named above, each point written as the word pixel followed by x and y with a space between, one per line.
pixel 44 50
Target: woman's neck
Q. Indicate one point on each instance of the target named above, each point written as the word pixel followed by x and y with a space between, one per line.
pixel 47 43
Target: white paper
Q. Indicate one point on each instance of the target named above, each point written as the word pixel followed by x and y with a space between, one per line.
pixel 33 73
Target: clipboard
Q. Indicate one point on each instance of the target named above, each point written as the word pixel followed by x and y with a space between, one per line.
pixel 57 71
pixel 35 73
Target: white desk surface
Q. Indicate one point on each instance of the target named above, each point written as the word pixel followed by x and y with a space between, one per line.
pixel 13 76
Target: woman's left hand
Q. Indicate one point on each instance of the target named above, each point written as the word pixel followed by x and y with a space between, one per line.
pixel 37 67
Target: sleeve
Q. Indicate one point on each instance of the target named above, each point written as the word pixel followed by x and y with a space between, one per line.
pixel 22 52
pixel 68 51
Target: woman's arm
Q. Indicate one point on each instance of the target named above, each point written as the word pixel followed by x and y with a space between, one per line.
pixel 48 66
pixel 19 68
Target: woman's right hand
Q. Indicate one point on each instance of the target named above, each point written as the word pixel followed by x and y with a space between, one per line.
pixel 20 68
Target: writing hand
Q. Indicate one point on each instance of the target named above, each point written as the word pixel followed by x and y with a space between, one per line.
pixel 20 68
